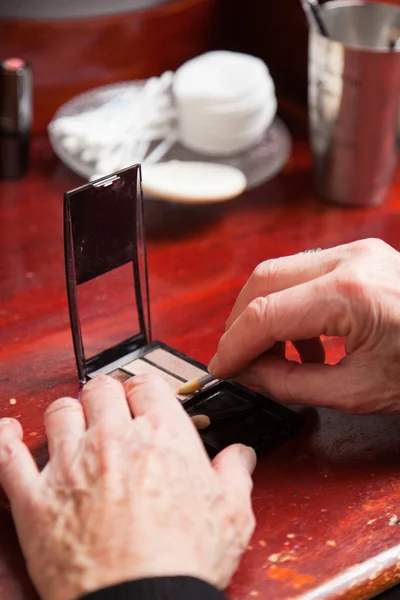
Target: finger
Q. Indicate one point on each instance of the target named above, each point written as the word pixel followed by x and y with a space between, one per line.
pixel 310 351
pixel 235 466
pixel 104 398
pixel 247 378
pixel 303 312
pixel 151 395
pixel 18 471
pixel 282 273
pixel 65 425
pixel 308 384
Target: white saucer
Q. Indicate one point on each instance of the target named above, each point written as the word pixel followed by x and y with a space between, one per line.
pixel 259 164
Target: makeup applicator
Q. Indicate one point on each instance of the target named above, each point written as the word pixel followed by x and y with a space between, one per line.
pixel 203 421
pixel 195 384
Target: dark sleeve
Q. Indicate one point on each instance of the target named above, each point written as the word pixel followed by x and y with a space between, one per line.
pixel 159 588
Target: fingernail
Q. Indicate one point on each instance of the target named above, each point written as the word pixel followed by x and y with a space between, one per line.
pixel 213 364
pixel 5 421
pixel 249 458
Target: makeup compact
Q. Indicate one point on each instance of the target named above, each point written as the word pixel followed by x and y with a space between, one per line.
pixel 104 232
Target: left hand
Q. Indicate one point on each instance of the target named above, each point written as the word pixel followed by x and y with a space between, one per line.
pixel 124 499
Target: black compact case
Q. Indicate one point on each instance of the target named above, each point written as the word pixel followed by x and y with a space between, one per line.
pixel 103 231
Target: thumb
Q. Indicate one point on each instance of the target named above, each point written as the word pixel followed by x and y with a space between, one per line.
pixel 312 384
pixel 18 471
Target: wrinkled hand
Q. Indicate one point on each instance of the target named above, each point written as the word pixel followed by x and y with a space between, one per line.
pixel 352 291
pixel 123 499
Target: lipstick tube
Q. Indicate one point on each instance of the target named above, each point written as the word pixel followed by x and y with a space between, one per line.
pixel 15 117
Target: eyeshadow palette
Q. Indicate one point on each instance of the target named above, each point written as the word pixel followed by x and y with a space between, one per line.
pixel 103 229
pixel 155 359
pixel 234 417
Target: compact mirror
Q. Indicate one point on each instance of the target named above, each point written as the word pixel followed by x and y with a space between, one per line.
pixel 106 268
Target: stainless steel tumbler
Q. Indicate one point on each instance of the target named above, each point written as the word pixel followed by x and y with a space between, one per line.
pixel 354 93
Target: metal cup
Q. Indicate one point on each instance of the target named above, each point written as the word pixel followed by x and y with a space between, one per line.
pixel 354 92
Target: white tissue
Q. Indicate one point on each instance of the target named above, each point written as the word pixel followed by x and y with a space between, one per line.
pixel 120 132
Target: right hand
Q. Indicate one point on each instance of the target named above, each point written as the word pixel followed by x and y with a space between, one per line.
pixel 351 291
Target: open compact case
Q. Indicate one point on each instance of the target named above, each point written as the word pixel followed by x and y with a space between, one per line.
pixel 103 229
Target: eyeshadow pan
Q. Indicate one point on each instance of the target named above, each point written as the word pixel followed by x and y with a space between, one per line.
pixel 120 375
pixel 256 426
pixel 219 401
pixel 175 364
pixel 140 367
pixel 259 425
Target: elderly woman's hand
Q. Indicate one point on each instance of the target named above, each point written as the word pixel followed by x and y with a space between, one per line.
pixel 124 499
pixel 351 291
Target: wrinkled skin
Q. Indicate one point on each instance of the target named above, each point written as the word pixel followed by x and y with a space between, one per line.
pixel 122 499
pixel 351 291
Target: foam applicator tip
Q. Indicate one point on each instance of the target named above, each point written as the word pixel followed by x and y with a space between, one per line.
pixel 195 384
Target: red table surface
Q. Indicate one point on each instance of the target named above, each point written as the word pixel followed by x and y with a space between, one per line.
pixel 326 501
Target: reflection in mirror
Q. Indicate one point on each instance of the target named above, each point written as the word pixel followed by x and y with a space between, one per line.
pixel 108 310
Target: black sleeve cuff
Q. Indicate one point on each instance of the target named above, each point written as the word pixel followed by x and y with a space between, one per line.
pixel 159 588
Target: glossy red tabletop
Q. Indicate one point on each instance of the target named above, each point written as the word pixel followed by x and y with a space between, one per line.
pixel 327 502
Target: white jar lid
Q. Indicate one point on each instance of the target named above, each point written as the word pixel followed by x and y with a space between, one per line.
pixel 225 101
pixel 219 76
